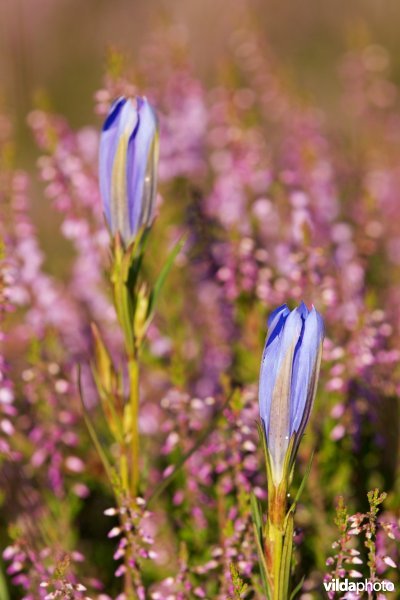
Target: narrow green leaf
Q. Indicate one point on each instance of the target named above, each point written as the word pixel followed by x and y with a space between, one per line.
pixel 137 256
pixel 258 531
pixel 107 403
pixel 297 589
pixel 289 457
pixel 263 440
pixel 125 309
pixel 305 478
pixel 107 465
pixel 286 558
pixel 3 587
pixel 256 512
pixel 155 292
pixel 301 488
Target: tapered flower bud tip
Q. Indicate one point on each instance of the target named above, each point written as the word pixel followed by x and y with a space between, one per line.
pixel 128 159
pixel 288 380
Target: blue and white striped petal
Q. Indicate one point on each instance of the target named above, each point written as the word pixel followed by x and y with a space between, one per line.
pixel 288 379
pixel 128 161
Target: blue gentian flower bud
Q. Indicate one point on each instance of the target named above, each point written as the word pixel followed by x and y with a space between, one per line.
pixel 288 381
pixel 128 166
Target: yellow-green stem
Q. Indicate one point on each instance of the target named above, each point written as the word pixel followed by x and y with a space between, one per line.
pixel 123 468
pixel 275 538
pixel 129 588
pixel 128 583
pixel 134 404
pixel 277 558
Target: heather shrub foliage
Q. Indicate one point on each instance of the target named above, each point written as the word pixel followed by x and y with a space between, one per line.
pixel 130 458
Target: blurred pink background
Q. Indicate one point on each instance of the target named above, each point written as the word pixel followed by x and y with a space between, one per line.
pixel 59 45
pixel 54 50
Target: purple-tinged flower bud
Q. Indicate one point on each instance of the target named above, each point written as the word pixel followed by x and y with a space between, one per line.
pixel 128 166
pixel 288 381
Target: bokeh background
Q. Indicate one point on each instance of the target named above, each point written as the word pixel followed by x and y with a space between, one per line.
pixel 58 47
pixel 53 55
pixel 57 50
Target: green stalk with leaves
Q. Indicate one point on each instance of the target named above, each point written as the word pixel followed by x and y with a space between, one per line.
pixel 128 165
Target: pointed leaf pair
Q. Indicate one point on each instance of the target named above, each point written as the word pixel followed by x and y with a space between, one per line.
pixel 106 381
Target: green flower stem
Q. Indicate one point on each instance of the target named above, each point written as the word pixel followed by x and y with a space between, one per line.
pixel 129 587
pixel 276 538
pixel 126 302
pixel 278 542
pixel 128 584
pixel 133 367
pixel 124 468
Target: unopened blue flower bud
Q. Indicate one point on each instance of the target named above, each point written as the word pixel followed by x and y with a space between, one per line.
pixel 288 380
pixel 128 166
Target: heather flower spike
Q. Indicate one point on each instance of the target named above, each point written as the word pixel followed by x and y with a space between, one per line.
pixel 288 381
pixel 128 166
